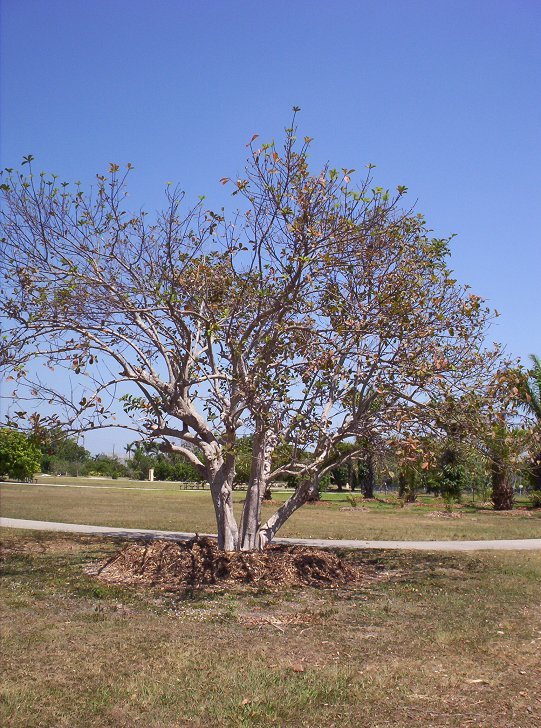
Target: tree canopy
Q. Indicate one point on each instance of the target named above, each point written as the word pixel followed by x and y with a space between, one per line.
pixel 320 312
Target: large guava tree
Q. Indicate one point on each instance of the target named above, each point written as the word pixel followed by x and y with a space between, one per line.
pixel 320 312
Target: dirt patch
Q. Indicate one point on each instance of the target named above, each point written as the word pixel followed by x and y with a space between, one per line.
pixel 177 565
pixel 444 514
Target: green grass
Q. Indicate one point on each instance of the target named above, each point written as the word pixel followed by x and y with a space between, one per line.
pixel 102 482
pixel 443 640
pixel 192 511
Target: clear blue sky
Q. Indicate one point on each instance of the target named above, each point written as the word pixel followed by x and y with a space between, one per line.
pixel 443 96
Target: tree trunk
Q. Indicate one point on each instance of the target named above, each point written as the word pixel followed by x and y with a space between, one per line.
pixel 402 485
pixel 353 474
pixel 269 529
pixel 502 489
pixel 221 486
pixel 258 488
pixel 368 480
pixel 313 493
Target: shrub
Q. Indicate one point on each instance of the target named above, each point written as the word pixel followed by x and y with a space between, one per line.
pixel 535 498
pixel 354 500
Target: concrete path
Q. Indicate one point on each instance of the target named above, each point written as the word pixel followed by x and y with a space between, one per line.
pixel 524 544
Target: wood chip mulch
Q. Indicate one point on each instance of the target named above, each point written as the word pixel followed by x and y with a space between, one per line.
pixel 174 565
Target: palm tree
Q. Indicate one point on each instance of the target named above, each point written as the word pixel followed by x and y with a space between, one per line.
pixel 532 388
pixel 129 449
pixel 530 396
pixel 501 442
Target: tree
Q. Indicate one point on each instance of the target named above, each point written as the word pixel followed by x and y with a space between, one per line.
pixel 317 314
pixel 62 454
pixel 175 467
pixel 358 471
pixel 504 445
pixel 503 438
pixel 530 398
pixel 19 457
pixel 531 390
pixel 407 483
pixel 105 465
pixel 451 475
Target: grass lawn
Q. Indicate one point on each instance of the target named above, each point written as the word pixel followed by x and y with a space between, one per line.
pixel 102 482
pixel 440 640
pixel 173 509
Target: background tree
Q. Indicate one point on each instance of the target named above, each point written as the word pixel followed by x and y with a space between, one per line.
pixel 108 466
pixel 360 470
pixel 19 456
pixel 503 438
pixel 291 319
pixel 504 446
pixel 61 454
pixel 530 398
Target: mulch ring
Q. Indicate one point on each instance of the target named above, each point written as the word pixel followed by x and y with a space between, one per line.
pixel 180 565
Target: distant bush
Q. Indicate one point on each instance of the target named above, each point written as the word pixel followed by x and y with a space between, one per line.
pixel 354 500
pixel 535 498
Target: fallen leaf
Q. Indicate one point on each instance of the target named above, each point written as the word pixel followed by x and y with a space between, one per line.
pixel 476 681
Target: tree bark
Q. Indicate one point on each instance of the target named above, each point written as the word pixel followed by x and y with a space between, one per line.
pixel 368 480
pixel 502 489
pixel 221 486
pixel 313 494
pixel 258 488
pixel 269 529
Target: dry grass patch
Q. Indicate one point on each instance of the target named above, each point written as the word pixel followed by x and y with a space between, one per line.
pixel 444 640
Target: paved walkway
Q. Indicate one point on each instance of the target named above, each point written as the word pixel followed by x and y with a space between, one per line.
pixel 524 544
